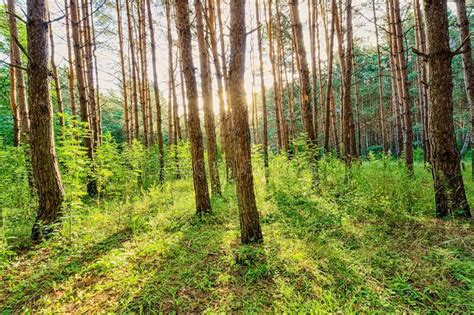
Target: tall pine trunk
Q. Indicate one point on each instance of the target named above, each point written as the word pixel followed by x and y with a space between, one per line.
pixel 156 90
pixel 306 113
pixel 206 89
pixel 22 121
pixel 45 165
pixel 249 218
pixel 467 63
pixel 183 25
pixel 447 177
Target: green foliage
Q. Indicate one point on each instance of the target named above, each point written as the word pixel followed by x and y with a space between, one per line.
pixel 16 200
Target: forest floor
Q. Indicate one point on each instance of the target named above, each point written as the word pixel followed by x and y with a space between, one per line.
pixel 368 243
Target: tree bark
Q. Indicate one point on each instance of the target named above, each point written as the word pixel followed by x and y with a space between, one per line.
pixel 206 89
pixel 89 71
pixel 45 166
pixel 273 61
pixel 156 90
pixel 450 196
pixel 203 203
pixel 71 75
pixel 262 89
pixel 348 117
pixel 303 70
pixel 405 88
pixel 380 81
pixel 124 74
pixel 22 105
pixel 467 63
pixel 57 84
pixel 211 24
pixel 420 43
pixel 250 229
pixel 330 48
pixel 131 41
pixel 13 102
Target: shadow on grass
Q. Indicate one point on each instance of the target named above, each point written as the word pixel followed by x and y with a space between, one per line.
pixel 43 280
pixel 198 271
pixel 417 262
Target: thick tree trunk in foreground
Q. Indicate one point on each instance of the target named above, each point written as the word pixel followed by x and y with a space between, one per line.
pixel 303 70
pixel 249 218
pixel 448 183
pixel 23 124
pixel 206 87
pixel 45 166
pixel 203 203
pixel 467 63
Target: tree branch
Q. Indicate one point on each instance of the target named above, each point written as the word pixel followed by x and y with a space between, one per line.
pixel 420 53
pixel 12 65
pixel 458 50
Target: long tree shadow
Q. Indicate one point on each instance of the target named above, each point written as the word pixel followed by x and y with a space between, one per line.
pixel 198 269
pixel 392 252
pixel 42 281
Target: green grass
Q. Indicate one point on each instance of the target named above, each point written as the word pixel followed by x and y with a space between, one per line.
pixel 364 242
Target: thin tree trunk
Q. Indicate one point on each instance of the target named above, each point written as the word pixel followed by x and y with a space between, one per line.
pixel 170 73
pixel 156 90
pixel 420 43
pixel 280 62
pixel 203 203
pixel 303 70
pixel 380 80
pixel 89 71
pixel 143 71
pixel 183 96
pixel 206 88
pixel 330 48
pixel 276 97
pixel 230 147
pixel 96 72
pixel 72 94
pixel 467 64
pixel 262 90
pixel 13 102
pixel 23 124
pixel 131 41
pixel 45 165
pixel 356 88
pixel 124 76
pixel 408 134
pixel 57 84
pixel 348 118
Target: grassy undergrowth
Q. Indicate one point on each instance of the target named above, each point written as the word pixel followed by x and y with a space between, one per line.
pixel 355 241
